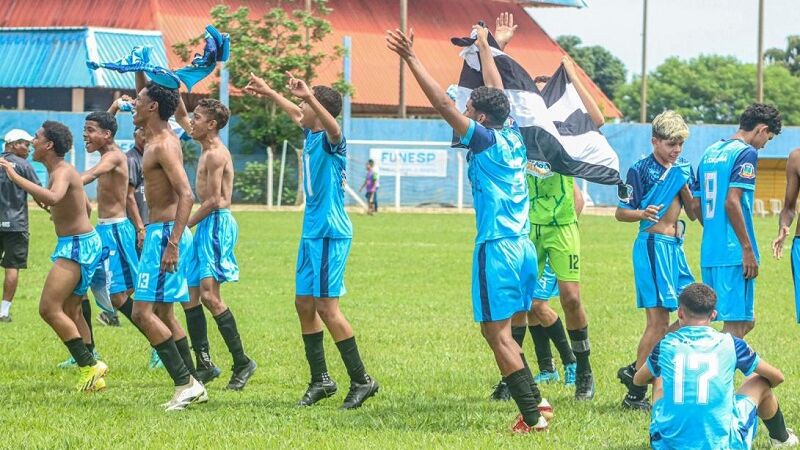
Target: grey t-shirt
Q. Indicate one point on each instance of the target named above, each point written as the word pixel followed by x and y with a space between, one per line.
pixel 13 199
pixel 136 179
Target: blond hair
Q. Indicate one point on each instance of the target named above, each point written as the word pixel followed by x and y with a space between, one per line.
pixel 670 126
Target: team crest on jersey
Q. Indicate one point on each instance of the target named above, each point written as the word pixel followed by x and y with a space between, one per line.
pixel 747 171
pixel 539 169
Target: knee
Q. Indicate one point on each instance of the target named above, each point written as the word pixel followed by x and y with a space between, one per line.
pixel 657 329
pixel 210 300
pixel 47 314
pixel 571 303
pixel 326 311
pixel 304 307
pixel 140 316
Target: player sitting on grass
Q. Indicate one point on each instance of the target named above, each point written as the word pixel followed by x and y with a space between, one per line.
pixel 78 250
pixel 695 405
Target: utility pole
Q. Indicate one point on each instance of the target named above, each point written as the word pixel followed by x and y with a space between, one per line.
pixel 403 27
pixel 760 66
pixel 643 102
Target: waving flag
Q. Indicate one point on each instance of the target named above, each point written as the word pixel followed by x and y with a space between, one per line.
pixel 217 49
pixel 558 132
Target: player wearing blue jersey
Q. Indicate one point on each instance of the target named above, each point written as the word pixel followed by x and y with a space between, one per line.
pixel 726 180
pixel 786 218
pixel 326 238
pixel 504 260
pixel 660 189
pixel 692 370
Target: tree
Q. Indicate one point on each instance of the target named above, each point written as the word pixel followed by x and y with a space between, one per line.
pixel 606 70
pixel 789 58
pixel 710 89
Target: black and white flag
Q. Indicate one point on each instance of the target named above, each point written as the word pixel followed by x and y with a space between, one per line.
pixel 558 132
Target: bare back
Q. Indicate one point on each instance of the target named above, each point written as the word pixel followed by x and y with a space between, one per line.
pixel 162 198
pixel 208 166
pixel 69 214
pixel 112 186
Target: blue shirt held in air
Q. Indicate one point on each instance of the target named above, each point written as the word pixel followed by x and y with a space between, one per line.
pixel 324 178
pixel 497 159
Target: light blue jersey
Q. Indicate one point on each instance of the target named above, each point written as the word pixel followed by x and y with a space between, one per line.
pixel 700 409
pixel 729 163
pixel 324 177
pixel 497 173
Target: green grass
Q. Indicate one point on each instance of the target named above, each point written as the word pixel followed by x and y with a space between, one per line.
pixel 409 302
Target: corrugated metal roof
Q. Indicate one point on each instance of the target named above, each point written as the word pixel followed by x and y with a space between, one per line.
pixel 40 58
pixel 113 45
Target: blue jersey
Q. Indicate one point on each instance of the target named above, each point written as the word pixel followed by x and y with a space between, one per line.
pixel 697 365
pixel 324 177
pixel 497 173
pixel 654 184
pixel 727 164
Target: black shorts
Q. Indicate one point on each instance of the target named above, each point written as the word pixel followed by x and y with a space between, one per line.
pixel 14 249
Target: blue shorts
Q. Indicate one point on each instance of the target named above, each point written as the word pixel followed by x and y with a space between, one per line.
pixel 320 267
pixel 99 289
pixel 503 278
pixel 660 270
pixel 153 285
pixel 735 295
pixel 119 236
pixel 212 249
pixel 547 286
pixel 84 249
pixel 796 276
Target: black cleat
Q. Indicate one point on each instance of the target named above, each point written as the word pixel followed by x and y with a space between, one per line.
pixel 240 376
pixel 625 375
pixel 637 404
pixel 359 393
pixel 109 320
pixel 206 370
pixel 501 392
pixel 318 390
pixel 584 386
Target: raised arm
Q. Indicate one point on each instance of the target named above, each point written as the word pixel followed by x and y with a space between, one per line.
pixel 115 105
pixel 300 89
pixel 789 202
pixel 107 163
pixel 215 165
pixel 588 101
pixel 491 77
pixel 504 29
pixel 170 161
pixel 141 82
pixel 403 46
pixel 733 208
pixel 258 87
pixel 182 116
pixel 44 196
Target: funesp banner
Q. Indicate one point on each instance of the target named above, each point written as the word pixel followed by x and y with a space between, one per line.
pixel 411 162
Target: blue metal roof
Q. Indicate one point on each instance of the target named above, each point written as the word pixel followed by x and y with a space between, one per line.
pixel 56 57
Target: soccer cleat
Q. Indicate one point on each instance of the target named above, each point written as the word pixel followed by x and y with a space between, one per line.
pixel 792 441
pixel 5 319
pixel 240 376
pixel 100 385
pixel 155 361
pixel 546 409
pixel 206 370
pixel 110 320
pixel 546 376
pixel 520 427
pixel 193 393
pixel 501 392
pixel 625 375
pixel 360 392
pixel 584 386
pixel 318 390
pixel 90 375
pixel 569 374
pixel 70 362
pixel 638 404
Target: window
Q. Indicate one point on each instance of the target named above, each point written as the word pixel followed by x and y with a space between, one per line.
pixel 8 98
pixel 48 99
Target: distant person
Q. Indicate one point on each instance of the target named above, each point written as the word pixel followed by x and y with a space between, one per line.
pixel 14 235
pixel 372 184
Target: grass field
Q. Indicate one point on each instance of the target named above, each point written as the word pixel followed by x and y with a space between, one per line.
pixel 409 302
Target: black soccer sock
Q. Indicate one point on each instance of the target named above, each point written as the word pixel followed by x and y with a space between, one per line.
pixel 580 347
pixel 777 427
pixel 173 362
pixel 352 360
pixel 518 333
pixel 230 334
pixel 557 334
pixel 86 309
pixel 80 353
pixel 197 328
pixel 526 395
pixel 637 393
pixel 127 310
pixel 541 345
pixel 315 354
pixel 182 345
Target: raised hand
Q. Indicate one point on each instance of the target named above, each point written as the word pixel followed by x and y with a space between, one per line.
pixel 298 87
pixel 398 42
pixel 504 28
pixel 483 34
pixel 257 86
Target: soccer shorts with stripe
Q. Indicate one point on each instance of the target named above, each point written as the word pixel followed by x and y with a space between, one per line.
pixel 152 284
pixel 84 249
pixel 735 294
pixel 660 270
pixel 212 249
pixel 503 278
pixel 320 267
pixel 547 286
pixel 121 266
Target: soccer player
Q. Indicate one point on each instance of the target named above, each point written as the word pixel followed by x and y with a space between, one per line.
pixel 326 238
pixel 161 271
pixel 78 250
pixel 695 405
pixel 660 187
pixel 726 181
pixel 14 234
pixel 504 260
pixel 371 184
pixel 785 221
pixel 212 261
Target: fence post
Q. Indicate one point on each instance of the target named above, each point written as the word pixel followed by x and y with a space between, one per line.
pixel 280 178
pixel 269 176
pixel 460 183
pixel 397 180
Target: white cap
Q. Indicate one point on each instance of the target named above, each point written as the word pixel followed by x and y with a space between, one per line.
pixel 17 135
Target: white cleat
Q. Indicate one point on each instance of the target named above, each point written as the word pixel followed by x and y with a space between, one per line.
pixel 546 409
pixel 792 441
pixel 192 393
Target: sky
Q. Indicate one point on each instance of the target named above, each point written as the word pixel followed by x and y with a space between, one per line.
pixel 683 28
